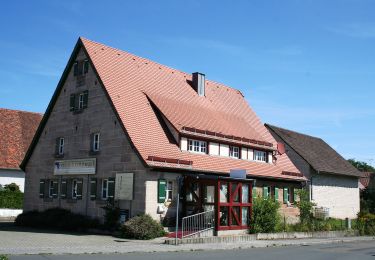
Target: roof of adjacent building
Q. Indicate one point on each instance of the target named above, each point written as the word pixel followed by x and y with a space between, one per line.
pixel 17 129
pixel 316 152
pixel 366 178
pixel 148 96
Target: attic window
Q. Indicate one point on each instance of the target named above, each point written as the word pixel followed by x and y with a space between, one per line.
pixel 234 152
pixel 81 67
pixel 260 156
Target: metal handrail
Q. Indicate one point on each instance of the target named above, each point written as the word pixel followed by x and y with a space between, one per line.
pixel 197 223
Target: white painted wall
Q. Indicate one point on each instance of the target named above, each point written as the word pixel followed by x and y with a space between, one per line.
pixel 224 150
pixel 183 143
pixel 244 153
pixel 9 213
pixel 9 176
pixel 213 148
pixel 338 193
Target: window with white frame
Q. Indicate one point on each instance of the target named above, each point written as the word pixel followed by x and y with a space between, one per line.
pixel 197 146
pixel 169 191
pixel 74 189
pixel 61 146
pixel 260 156
pixel 105 189
pixel 95 142
pixel 81 100
pixel 234 151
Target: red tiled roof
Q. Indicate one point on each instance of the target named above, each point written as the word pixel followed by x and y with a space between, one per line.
pixel 17 129
pixel 366 178
pixel 131 82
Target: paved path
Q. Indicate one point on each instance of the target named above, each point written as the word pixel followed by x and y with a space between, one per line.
pixel 18 241
pixel 364 250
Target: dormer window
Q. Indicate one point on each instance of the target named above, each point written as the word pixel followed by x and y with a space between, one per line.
pixel 234 151
pixel 260 156
pixel 197 146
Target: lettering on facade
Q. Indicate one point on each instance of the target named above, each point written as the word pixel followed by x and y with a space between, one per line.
pixel 77 166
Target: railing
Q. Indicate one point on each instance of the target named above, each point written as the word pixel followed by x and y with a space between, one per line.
pixel 198 223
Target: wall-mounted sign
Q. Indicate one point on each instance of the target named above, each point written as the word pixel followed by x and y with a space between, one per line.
pixel 238 173
pixel 124 186
pixel 77 166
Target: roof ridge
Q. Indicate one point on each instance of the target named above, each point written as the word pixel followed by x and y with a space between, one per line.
pixel 293 131
pixel 18 110
pixel 159 64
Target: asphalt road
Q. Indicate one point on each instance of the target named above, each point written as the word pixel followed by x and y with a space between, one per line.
pixel 341 251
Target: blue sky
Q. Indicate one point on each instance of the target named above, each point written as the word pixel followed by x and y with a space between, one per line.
pixel 304 65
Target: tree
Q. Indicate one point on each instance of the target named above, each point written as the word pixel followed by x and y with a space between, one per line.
pixel 12 187
pixel 362 166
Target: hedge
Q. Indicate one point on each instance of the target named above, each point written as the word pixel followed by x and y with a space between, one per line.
pixel 142 227
pixel 56 218
pixel 11 199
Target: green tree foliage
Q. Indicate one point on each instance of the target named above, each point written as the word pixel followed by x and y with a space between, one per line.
pixel 11 197
pixel 142 227
pixel 362 166
pixel 305 207
pixel 265 217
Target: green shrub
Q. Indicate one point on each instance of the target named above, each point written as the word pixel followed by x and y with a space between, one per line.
pixel 111 215
pixel 265 216
pixel 56 218
pixel 366 224
pixel 142 227
pixel 12 187
pixel 3 257
pixel 11 199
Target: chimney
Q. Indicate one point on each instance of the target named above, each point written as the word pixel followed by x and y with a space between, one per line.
pixel 199 83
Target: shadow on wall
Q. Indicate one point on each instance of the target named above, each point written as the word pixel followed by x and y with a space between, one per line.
pixel 335 181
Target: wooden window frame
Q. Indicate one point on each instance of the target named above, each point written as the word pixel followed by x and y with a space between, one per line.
pixel 196 146
pixel 96 143
pixel 260 151
pixel 232 151
pixel 61 146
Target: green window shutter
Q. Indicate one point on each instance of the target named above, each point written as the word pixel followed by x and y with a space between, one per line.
pixel 161 190
pixel 72 102
pixel 85 98
pixel 276 193
pixel 55 188
pixel 111 188
pixel 79 189
pixel 63 190
pixel 265 192
pixel 85 66
pixel 285 195
pixel 75 68
pixel 42 188
pixel 93 188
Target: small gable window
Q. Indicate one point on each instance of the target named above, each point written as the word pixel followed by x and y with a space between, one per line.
pixel 95 142
pixel 79 101
pixel 197 146
pixel 81 67
pixel 234 151
pixel 60 143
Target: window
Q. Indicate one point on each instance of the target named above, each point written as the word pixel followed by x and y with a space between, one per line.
pixel 81 67
pixel 81 101
pixel 61 143
pixel 77 189
pixel 95 142
pixel 105 189
pixel 197 146
pixel 52 189
pixel 234 152
pixel 266 192
pixel 289 195
pixel 260 156
pixel 169 191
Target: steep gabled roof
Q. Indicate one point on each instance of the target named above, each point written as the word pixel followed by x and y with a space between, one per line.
pixel 17 129
pixel 136 86
pixel 316 152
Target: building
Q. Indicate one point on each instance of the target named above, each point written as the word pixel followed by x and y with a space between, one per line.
pixel 123 127
pixel 333 181
pixel 17 129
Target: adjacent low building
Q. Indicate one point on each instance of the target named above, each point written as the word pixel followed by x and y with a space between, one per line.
pixel 17 129
pixel 123 128
pixel 333 182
